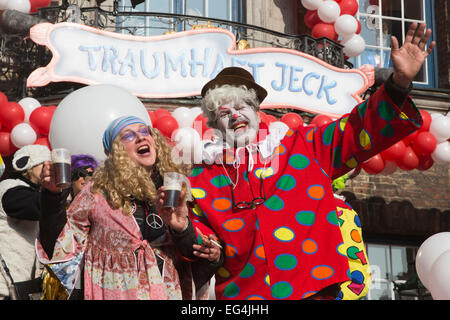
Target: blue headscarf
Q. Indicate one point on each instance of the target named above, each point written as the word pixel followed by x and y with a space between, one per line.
pixel 114 128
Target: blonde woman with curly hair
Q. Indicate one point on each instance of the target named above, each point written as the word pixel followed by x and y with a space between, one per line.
pixel 116 228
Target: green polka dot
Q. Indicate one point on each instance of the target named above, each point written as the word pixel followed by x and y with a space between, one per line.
pixel 281 290
pixel 388 131
pixel 286 182
pixel 306 218
pixel 285 262
pixel 220 181
pixel 328 134
pixel 332 218
pixel 248 271
pixel 274 203
pixel 298 161
pixel 352 251
pixel 362 109
pixel 337 159
pixel 386 111
pixel 196 171
pixel 231 290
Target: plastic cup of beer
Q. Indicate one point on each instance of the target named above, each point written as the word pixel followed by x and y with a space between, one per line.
pixel 61 164
pixel 173 181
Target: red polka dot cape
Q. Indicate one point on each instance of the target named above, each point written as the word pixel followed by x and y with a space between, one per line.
pixel 287 248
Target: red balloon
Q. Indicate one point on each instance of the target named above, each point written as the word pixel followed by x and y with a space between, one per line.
pixel 311 18
pixel 269 119
pixel 11 114
pixel 321 120
pixel 3 98
pixel 426 117
pixel 40 119
pixel 166 125
pixel 424 143
pixel 199 124
pixel 408 139
pixel 323 29
pixel 394 152
pixel 389 167
pixel 425 163
pixel 161 113
pixel 43 141
pixel 358 30
pixel 348 7
pixel 152 117
pixel 293 120
pixel 374 165
pixel 7 148
pixel 409 161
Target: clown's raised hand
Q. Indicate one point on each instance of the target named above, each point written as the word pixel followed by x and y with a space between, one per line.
pixel 409 58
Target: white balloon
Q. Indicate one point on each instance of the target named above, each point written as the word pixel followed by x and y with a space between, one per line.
pixel 355 46
pixel 82 116
pixel 3 4
pixel 345 25
pixel 23 135
pixel 195 112
pixel 328 11
pixel 441 155
pixel 428 253
pixel 440 128
pixel 183 117
pixel 188 146
pixel 28 105
pixel 311 4
pixel 19 5
pixel 440 277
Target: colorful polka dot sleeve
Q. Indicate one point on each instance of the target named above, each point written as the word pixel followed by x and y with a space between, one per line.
pixel 289 247
pixel 371 127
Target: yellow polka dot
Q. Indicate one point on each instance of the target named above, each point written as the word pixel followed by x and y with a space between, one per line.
pixel 284 234
pixel 224 273
pixel 198 193
pixel 265 173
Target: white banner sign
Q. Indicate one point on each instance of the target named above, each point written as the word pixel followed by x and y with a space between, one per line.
pixel 179 64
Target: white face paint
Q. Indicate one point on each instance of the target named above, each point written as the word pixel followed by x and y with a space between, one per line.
pixel 238 122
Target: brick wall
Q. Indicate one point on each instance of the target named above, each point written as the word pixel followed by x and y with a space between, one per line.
pixel 424 189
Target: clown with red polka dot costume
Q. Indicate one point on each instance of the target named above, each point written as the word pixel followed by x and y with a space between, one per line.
pixel 268 197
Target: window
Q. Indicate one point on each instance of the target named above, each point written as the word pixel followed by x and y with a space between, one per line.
pixel 393 273
pixel 382 18
pixel 224 9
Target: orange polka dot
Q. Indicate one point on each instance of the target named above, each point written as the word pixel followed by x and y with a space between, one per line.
pixel 322 272
pixel 255 298
pixel 230 251
pixel 259 252
pixel 280 149
pixel 316 192
pixel 221 204
pixel 356 236
pixel 309 246
pixel 233 224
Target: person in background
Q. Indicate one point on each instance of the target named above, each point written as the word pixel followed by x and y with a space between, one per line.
pixel 19 218
pixel 116 228
pixel 82 168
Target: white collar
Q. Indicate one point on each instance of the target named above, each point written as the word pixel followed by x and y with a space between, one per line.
pixel 213 150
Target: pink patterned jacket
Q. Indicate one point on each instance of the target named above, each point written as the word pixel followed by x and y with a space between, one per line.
pixel 118 263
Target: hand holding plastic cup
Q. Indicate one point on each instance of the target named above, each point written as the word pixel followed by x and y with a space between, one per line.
pixel 173 182
pixel 61 165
